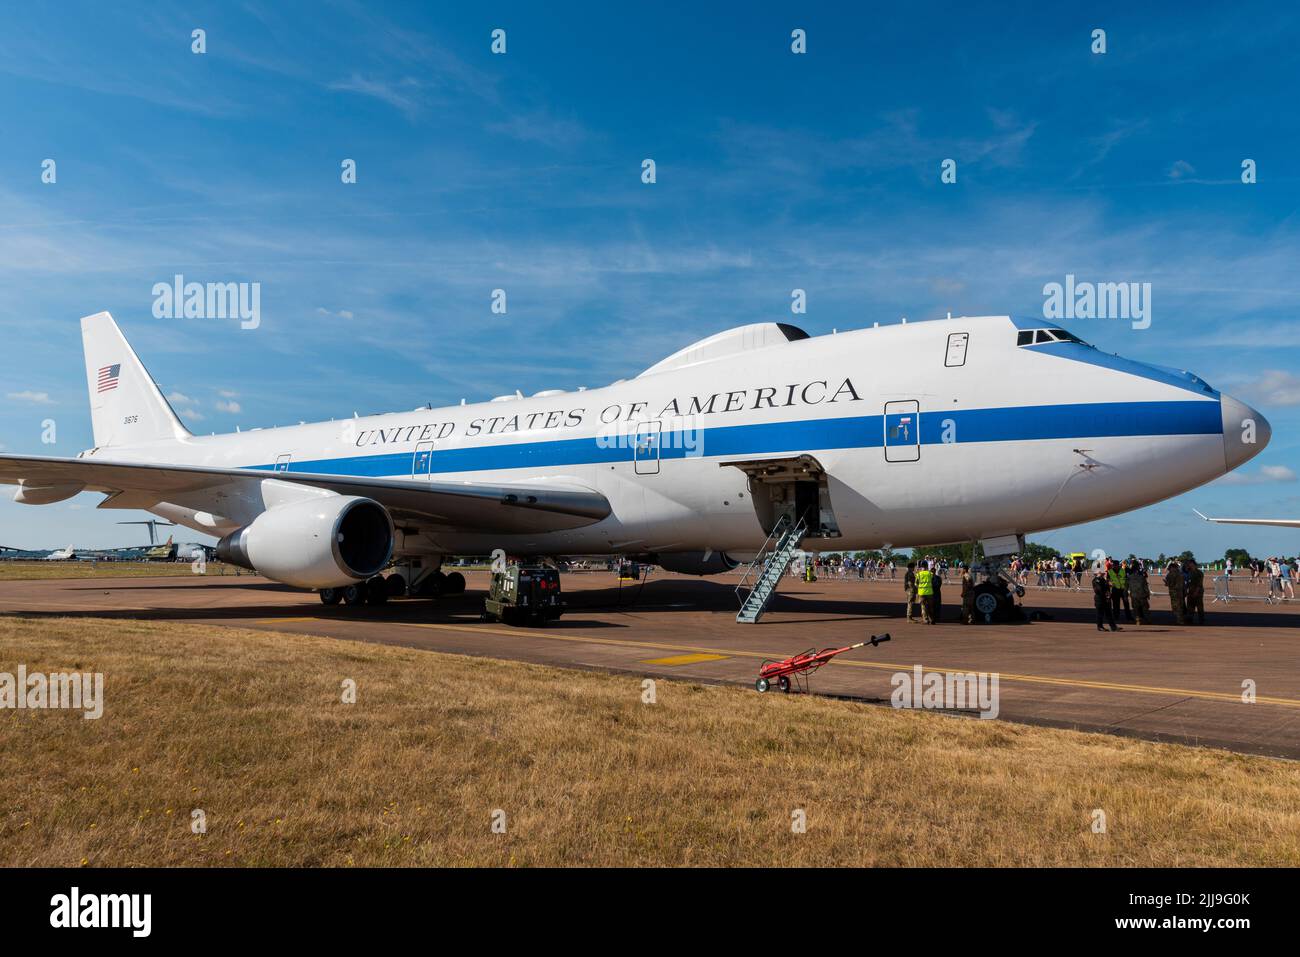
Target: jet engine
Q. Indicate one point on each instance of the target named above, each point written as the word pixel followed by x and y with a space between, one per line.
pixel 319 543
pixel 696 563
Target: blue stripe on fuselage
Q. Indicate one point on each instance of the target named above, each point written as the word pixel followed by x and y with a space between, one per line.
pixel 1091 420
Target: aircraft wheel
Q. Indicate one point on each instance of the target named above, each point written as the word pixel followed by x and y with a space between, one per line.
pixel 454 584
pixel 434 585
pixel 330 596
pixel 376 591
pixel 988 599
pixel 396 585
pixel 354 595
pixel 783 683
pixel 762 684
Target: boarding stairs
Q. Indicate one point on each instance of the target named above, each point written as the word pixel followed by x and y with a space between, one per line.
pixel 765 571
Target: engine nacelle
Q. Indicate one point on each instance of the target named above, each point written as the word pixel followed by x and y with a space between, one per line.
pixel 320 543
pixel 696 563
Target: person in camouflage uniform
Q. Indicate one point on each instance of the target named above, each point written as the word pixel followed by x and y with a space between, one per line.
pixel 967 596
pixel 1174 582
pixel 1194 592
pixel 1139 593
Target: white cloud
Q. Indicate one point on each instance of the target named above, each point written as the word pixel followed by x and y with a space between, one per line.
pixel 179 398
pixel 35 398
pixel 1266 474
pixel 224 405
pixel 1274 387
pixel 227 394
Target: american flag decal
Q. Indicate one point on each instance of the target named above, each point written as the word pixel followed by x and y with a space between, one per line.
pixel 108 377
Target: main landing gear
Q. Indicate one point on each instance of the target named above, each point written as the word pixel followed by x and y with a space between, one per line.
pixel 377 590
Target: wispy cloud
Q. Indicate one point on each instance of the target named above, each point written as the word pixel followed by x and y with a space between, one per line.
pixel 1266 475
pixel 35 398
pixel 403 94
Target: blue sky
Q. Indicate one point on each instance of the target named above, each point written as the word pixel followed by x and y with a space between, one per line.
pixel 522 171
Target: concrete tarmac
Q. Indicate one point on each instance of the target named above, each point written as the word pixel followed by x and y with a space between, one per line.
pixel 1161 681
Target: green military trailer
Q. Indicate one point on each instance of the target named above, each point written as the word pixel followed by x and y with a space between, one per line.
pixel 524 595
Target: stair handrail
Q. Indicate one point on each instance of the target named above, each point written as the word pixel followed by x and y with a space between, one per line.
pixel 777 530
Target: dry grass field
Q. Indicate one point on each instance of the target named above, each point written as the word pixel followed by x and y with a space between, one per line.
pixel 250 727
pixel 33 571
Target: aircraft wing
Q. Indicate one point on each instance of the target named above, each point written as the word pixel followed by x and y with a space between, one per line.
pixel 469 506
pixel 1284 522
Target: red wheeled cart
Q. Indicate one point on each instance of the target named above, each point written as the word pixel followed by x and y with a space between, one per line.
pixel 801 665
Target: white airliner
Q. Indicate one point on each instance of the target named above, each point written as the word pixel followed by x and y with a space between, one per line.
pixel 61 555
pixel 958 430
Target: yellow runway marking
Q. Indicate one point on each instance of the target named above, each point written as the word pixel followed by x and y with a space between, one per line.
pixel 683 659
pixel 878 665
pixel 272 621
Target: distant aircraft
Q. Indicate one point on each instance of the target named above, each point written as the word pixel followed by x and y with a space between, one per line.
pixel 977 429
pixel 161 553
pixel 153 524
pixel 1283 522
pixel 62 555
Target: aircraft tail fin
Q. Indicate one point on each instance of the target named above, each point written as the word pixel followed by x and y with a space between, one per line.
pixel 126 406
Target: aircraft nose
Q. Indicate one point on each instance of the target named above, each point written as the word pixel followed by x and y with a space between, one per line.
pixel 1245 431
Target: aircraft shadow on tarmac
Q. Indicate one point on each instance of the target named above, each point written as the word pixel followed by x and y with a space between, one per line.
pixel 665 596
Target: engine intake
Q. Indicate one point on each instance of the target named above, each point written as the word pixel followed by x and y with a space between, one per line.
pixel 320 543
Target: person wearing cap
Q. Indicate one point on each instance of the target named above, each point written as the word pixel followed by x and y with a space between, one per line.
pixel 1101 599
pixel 925 592
pixel 1139 592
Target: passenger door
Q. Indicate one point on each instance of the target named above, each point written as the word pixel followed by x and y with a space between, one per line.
pixel 903 431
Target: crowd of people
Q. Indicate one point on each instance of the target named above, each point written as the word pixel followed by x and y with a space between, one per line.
pixel 1280 574
pixel 1121 588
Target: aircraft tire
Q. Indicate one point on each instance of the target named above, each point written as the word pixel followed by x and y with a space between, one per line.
pixel 354 595
pixel 330 596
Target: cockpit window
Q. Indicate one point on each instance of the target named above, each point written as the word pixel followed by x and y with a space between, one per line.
pixel 1037 337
